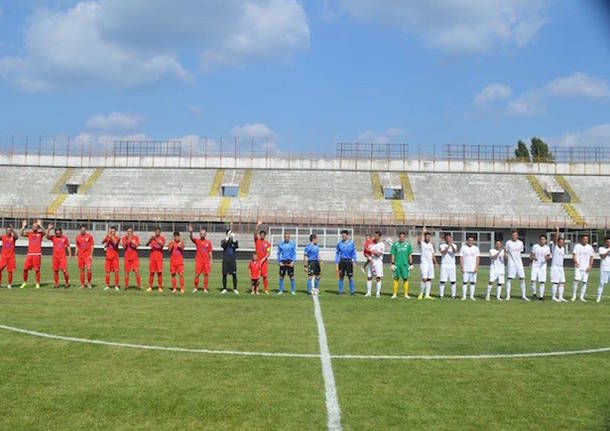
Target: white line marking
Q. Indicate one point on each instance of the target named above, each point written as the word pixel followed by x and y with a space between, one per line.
pixel 300 355
pixel 332 402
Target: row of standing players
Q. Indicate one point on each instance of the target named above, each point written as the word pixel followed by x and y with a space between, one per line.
pixel 503 258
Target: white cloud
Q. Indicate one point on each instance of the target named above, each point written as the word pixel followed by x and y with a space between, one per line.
pixel 575 86
pixel 391 135
pixel 118 43
pixel 114 121
pixel 457 26
pixel 255 131
pixel 195 110
pixel 597 136
pixel 492 93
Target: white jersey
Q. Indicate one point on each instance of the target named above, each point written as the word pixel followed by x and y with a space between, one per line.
pixel 559 253
pixel 497 265
pixel 448 259
pixel 377 248
pixel 470 254
pixel 427 253
pixel 604 264
pixel 583 255
pixel 540 253
pixel 513 252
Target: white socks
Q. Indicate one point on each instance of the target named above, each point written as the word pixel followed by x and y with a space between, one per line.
pixel 378 287
pixel 369 285
pixel 422 288
pixel 554 291
pixel 600 292
pixel 583 290
pixel 561 288
pixel 574 290
pixel 441 289
pixel 533 288
pixel 541 290
pixel 464 290
pixel 453 290
pixel 472 286
pixel 508 283
pixel 428 287
pixel 523 292
pixel 499 295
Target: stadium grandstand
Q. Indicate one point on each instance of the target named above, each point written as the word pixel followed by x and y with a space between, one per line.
pixel 478 190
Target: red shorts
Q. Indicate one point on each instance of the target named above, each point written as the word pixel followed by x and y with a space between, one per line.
pixel 176 268
pixel 59 263
pixel 8 263
pixel 155 265
pixel 202 267
pixel 32 262
pixel 265 269
pixel 132 264
pixel 84 262
pixel 112 264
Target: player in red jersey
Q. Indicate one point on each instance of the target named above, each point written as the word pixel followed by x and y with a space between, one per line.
pixel 156 243
pixel 176 261
pixel 254 268
pixel 84 252
pixel 111 242
pixel 263 251
pixel 32 259
pixel 368 241
pixel 7 255
pixel 130 243
pixel 61 243
pixel 203 258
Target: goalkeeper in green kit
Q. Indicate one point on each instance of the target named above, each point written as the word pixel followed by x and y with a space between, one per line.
pixel 402 262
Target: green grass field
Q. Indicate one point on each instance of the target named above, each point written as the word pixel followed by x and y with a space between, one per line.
pixel 54 384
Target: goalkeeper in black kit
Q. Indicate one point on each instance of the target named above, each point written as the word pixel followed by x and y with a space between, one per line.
pixel 229 262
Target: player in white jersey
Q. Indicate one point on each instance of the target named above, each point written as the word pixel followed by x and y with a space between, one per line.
pixel 514 267
pixel 539 256
pixel 604 267
pixel 448 251
pixel 497 264
pixel 469 264
pixel 558 275
pixel 583 263
pixel 375 268
pixel 426 266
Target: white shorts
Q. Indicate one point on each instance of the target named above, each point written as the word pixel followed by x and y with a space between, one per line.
pixel 515 271
pixel 558 274
pixel 539 273
pixel 375 269
pixel 496 278
pixel 470 277
pixel 447 274
pixel 604 277
pixel 581 275
pixel 427 271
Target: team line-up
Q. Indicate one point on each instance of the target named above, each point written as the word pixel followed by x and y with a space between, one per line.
pixel 506 262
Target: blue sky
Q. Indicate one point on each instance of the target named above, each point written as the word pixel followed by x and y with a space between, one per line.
pixel 306 75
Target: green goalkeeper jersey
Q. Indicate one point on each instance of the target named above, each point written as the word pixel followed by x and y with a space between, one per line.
pixel 401 252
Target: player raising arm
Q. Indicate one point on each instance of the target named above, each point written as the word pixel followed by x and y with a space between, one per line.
pixel 263 251
pixel 203 258
pixel 83 252
pixel 156 243
pixel 176 261
pixel 61 243
pixel 111 243
pixel 604 267
pixel 426 266
pixel 131 263
pixel 7 256
pixel 33 257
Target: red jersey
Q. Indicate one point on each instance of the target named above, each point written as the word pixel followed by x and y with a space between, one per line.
pixel 84 245
pixel 255 270
pixel 34 242
pixel 263 248
pixel 204 249
pixel 130 246
pixel 60 244
pixel 112 246
pixel 156 247
pixel 367 245
pixel 176 252
pixel 8 246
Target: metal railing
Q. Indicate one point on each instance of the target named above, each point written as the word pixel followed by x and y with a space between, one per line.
pixel 302 218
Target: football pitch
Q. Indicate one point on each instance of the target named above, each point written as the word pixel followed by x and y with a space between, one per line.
pixel 165 361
